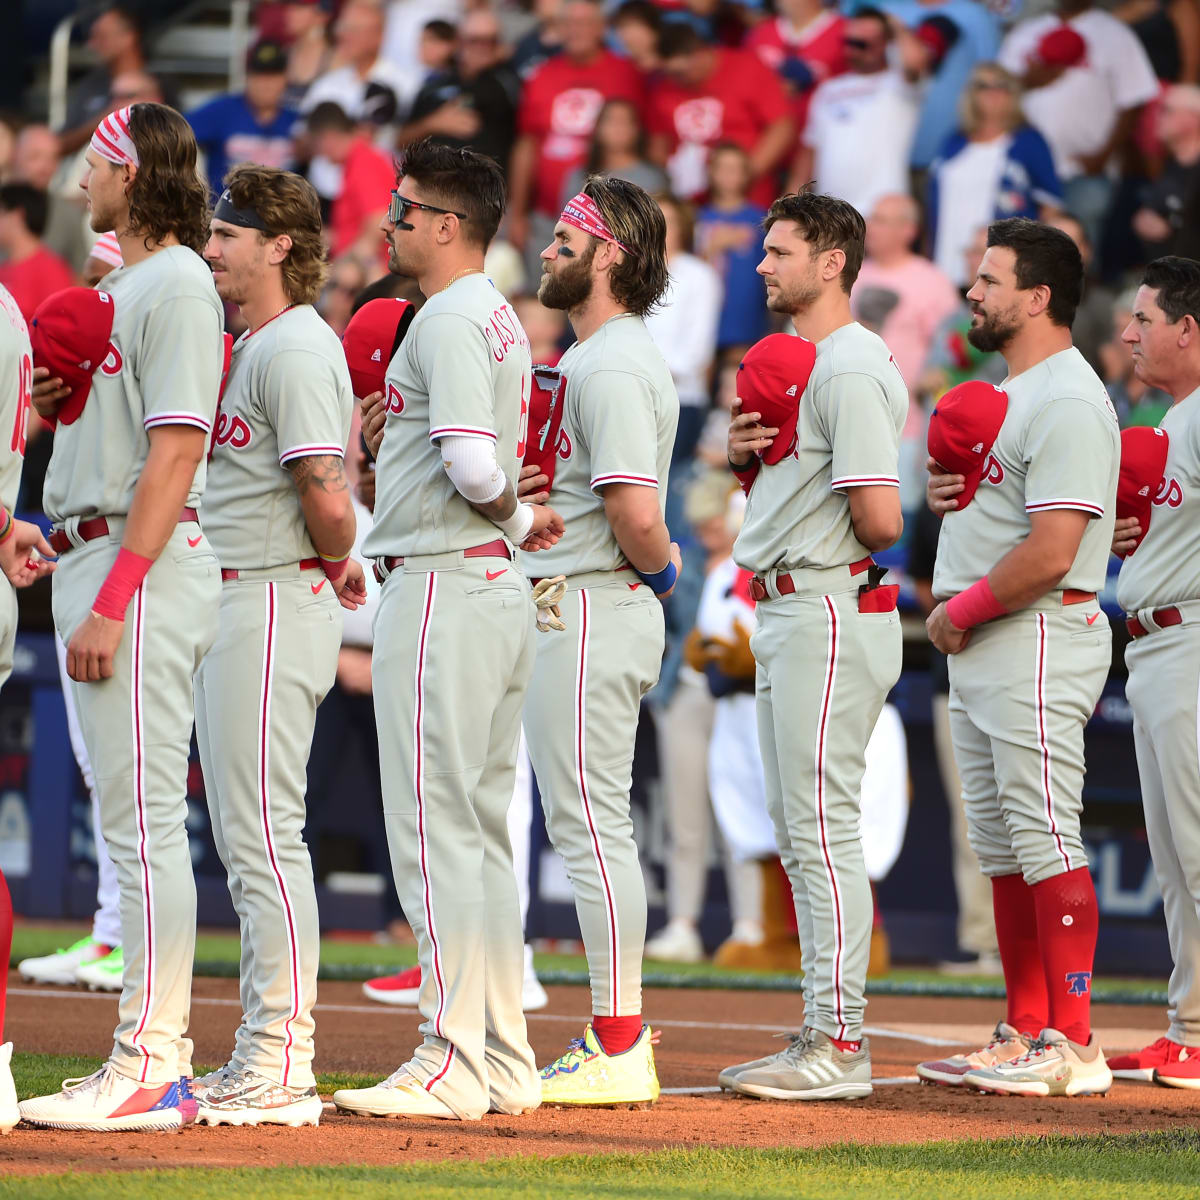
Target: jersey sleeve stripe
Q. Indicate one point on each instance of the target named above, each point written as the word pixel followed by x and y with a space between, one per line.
pixel 616 477
pixel 866 480
pixel 309 451
pixel 461 431
pixel 1084 505
pixel 178 418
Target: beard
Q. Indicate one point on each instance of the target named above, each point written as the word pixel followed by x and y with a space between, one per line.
pixel 792 300
pixel 570 286
pixel 995 332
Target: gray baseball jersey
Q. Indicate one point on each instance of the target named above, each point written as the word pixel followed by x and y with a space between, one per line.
pixel 287 397
pixel 1059 447
pixel 16 390
pixel 463 370
pixel 619 417
pixel 1165 568
pixel 848 435
pixel 163 368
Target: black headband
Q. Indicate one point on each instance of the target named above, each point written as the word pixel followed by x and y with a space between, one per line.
pixel 245 217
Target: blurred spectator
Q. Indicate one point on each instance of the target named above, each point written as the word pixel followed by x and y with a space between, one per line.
pixel 9 124
pixel 1092 326
pixel 995 166
pixel 438 42
pixel 542 41
pixel 306 32
pixel 545 328
pixel 803 45
pixel 729 238
pixel 474 101
pixel 618 148
pixel 402 35
pixel 902 295
pixel 860 124
pixel 104 256
pixel 1169 220
pixel 708 94
pixel 253 126
pixel 1136 402
pixel 347 277
pixel 1169 31
pixel 637 25
pixel 1086 78
pixel 368 176
pixel 29 270
pixel 562 100
pixel 36 162
pixel 684 327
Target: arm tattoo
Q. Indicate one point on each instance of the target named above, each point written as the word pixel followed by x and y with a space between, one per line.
pixel 324 471
pixel 502 507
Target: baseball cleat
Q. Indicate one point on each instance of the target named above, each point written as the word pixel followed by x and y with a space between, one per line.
pixel 1005 1044
pixel 106 1100
pixel 103 974
pixel 10 1114
pixel 811 1068
pixel 533 995
pixel 247 1098
pixel 1141 1064
pixel 1052 1066
pixel 585 1076
pixel 1182 1073
pixel 729 1074
pixel 60 967
pixel 404 988
pixel 200 1084
pixel 399 1095
pixel 677 942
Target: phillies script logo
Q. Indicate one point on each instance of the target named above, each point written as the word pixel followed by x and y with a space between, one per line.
pixel 563 446
pixel 394 404
pixel 113 362
pixel 993 472
pixel 1170 493
pixel 232 432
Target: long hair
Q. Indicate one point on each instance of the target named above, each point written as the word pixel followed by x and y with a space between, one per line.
pixel 286 203
pixel 595 159
pixel 168 195
pixel 968 108
pixel 639 281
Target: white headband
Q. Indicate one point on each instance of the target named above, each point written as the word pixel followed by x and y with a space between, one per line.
pixel 112 141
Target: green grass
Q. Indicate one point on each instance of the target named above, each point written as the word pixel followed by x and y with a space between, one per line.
pixel 1128 1167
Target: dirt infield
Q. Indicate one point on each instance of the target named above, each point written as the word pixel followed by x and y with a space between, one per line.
pixel 702 1031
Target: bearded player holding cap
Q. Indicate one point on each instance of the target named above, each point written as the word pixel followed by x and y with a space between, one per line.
pixel 1017 573
pixel 137 591
pixel 824 411
pixel 607 268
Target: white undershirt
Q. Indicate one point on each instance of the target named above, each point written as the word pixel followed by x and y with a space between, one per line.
pixel 967 185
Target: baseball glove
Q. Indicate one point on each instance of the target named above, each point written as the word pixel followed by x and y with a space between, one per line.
pixel 547 596
pixel 733 656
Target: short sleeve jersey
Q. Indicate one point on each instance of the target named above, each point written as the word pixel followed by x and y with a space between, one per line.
pixel 619 417
pixel 163 367
pixel 1165 568
pixel 463 370
pixel 847 435
pixel 1059 447
pixel 287 397
pixel 16 391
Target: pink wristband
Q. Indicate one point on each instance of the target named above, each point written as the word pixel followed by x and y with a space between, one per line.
pixel 974 606
pixel 122 581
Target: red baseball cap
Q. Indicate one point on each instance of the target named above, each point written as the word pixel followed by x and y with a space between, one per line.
pixel 771 381
pixel 372 338
pixel 1143 466
pixel 963 428
pixel 1062 46
pixel 70 333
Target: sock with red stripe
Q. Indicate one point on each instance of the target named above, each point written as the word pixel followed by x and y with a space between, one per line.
pixel 6 929
pixel 617 1034
pixel 1020 954
pixel 1067 921
pixel 845 1046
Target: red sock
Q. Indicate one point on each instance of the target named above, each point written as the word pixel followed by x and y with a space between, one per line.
pixel 1067 920
pixel 617 1034
pixel 845 1046
pixel 1017 933
pixel 6 929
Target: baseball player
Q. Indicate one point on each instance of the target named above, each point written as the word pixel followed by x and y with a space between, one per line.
pixel 1016 578
pixel 607 268
pixel 278 515
pixel 137 590
pixel 824 411
pixel 1159 587
pixel 453 639
pixel 18 541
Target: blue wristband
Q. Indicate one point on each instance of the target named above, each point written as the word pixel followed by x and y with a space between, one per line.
pixel 660 581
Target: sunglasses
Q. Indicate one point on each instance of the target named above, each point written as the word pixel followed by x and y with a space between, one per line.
pixel 991 85
pixel 853 43
pixel 399 206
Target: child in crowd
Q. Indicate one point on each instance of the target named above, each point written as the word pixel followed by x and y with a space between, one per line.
pixel 544 327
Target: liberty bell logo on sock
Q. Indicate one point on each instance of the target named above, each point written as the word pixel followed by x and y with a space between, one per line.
pixel 1079 983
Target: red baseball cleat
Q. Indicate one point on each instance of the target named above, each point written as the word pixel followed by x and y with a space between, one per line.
pixel 1181 1072
pixel 1141 1064
pixel 402 988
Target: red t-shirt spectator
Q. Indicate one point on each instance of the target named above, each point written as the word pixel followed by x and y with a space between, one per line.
pixel 561 102
pixel 817 47
pixel 34 278
pixel 735 104
pixel 368 178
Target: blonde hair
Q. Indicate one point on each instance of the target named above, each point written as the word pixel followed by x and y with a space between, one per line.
pixel 968 110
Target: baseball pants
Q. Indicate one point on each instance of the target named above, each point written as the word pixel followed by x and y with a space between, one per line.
pixel 1020 695
pixel 452 656
pixel 137 727
pixel 824 672
pixel 1163 690
pixel 257 693
pixel 581 718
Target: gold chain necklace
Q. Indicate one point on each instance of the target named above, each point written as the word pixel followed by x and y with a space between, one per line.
pixel 460 275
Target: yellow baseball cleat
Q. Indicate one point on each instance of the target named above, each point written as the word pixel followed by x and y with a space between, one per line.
pixel 586 1076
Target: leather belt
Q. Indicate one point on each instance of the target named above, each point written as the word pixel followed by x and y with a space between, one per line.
pixel 1163 617
pixel 785 585
pixel 497 549
pixel 97 527
pixel 305 564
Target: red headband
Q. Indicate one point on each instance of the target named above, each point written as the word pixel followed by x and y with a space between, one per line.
pixel 112 139
pixel 581 211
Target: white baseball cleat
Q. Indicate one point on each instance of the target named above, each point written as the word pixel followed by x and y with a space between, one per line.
pixel 107 1100
pixel 676 941
pixel 1052 1066
pixel 533 995
pixel 60 967
pixel 1005 1044
pixel 399 1095
pixel 105 974
pixel 247 1098
pixel 10 1114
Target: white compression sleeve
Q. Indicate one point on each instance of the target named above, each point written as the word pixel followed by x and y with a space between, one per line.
pixel 471 464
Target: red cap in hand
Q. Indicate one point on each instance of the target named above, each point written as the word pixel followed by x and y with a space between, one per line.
pixel 1143 467
pixel 771 381
pixel 372 338
pixel 963 428
pixel 70 334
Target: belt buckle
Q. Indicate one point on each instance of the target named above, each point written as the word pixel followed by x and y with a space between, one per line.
pixel 758 589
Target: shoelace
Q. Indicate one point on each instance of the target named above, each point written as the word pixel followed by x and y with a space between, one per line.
pixel 576 1046
pixel 99 1081
pixel 398 1076
pixel 1037 1049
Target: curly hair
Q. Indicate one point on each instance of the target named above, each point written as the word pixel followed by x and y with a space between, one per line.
pixel 286 203
pixel 640 280
pixel 168 196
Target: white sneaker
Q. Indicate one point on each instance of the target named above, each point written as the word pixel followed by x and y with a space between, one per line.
pixel 10 1114
pixel 1005 1044
pixel 109 1101
pixel 1052 1066
pixel 533 995
pixel 248 1098
pixel 105 974
pixel 60 967
pixel 677 942
pixel 399 1095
